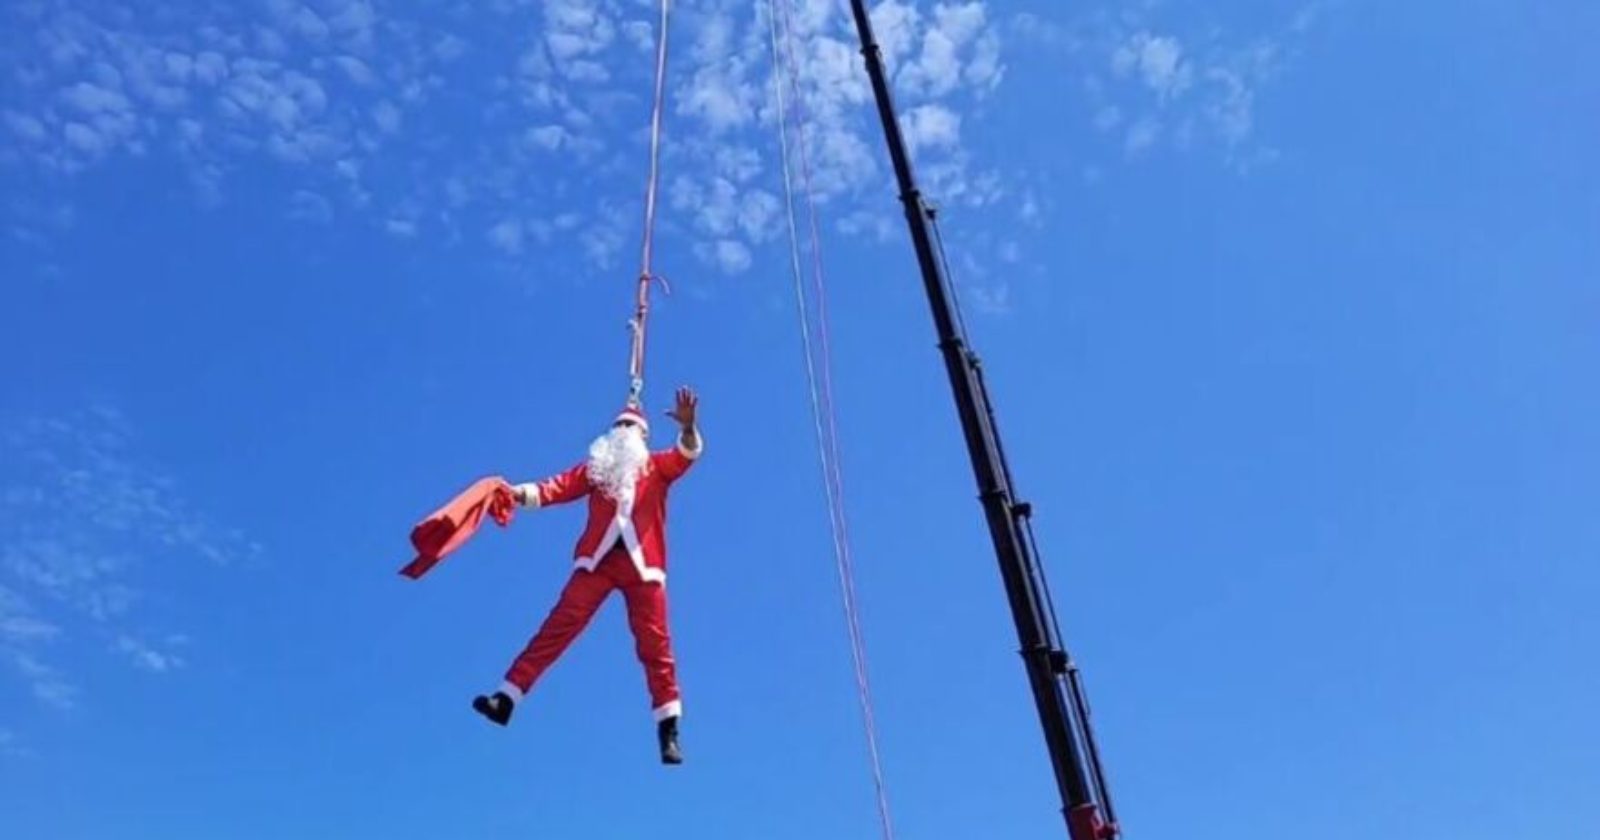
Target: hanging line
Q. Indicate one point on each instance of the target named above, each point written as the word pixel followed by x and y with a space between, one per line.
pixel 642 299
pixel 827 441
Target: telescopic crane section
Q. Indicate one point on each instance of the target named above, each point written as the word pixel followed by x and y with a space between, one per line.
pixel 1053 678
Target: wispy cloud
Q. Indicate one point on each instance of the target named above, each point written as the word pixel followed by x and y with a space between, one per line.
pixel 1152 82
pixel 992 299
pixel 956 48
pixel 931 127
pixel 91 83
pixel 22 635
pixel 11 745
pixel 942 57
pixel 148 657
pixel 1157 60
pixel 46 682
pixel 372 114
pixel 86 519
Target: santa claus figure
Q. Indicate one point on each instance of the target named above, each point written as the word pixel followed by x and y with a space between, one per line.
pixel 623 547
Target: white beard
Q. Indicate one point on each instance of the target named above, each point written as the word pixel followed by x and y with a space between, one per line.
pixel 615 461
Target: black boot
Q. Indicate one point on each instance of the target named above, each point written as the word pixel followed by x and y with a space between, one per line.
pixel 667 735
pixel 496 707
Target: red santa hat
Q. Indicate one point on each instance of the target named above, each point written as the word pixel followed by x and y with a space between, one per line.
pixel 632 414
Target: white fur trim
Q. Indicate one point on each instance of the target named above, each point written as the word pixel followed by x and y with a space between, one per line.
pixel 512 691
pixel 639 419
pixel 622 528
pixel 666 710
pixel 691 454
pixel 530 494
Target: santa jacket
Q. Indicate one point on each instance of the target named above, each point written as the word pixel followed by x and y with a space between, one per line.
pixel 640 526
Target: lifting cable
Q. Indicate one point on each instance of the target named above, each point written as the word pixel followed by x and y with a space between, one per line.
pixel 646 274
pixel 827 441
pixel 822 406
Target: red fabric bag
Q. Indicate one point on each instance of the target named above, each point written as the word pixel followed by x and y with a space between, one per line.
pixel 449 527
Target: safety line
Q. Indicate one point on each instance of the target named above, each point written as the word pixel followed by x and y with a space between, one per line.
pixel 827 442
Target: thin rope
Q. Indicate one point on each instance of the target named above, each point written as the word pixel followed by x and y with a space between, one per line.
pixel 816 241
pixel 642 301
pixel 823 334
pixel 827 442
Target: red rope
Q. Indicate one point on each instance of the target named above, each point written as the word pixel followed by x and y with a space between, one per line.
pixel 642 300
pixel 829 440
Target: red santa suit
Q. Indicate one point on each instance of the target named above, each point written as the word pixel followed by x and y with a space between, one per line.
pixel 623 547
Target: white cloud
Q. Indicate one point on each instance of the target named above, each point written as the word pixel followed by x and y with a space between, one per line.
pixel 309 24
pixel 307 206
pixel 84 138
pixel 895 26
pixel 179 66
pixel 22 634
pixel 387 116
pixel 449 47
pixel 210 68
pixel 953 183
pixel 241 81
pixel 937 69
pixel 1156 59
pixel 641 34
pixel 877 225
pixel 1107 118
pixel 575 31
pixel 507 236
pixel 940 55
pixel 992 300
pixel 356 23
pixel 1172 85
pixel 72 569
pixel 602 245
pixel 984 71
pixel 931 127
pixel 93 99
pixel 548 137
pixel 146 657
pixel 729 255
pixel 941 65
pixel 720 97
pixel 722 209
pixel 1307 16
pixel 758 214
pixel 335 93
pixel 355 70
pixel 89 520
pixel 1029 212
pixel 46 682
pixel 27 127
pixel 739 163
pixel 11 745
pixel 1142 134
pixel 1232 111
pixel 270 43
pixel 18 625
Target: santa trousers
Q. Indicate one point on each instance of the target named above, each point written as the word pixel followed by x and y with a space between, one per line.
pixel 647 618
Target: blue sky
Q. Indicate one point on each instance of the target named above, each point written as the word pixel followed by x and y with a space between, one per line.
pixel 1289 309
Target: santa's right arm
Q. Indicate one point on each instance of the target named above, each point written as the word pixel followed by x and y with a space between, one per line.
pixel 559 489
